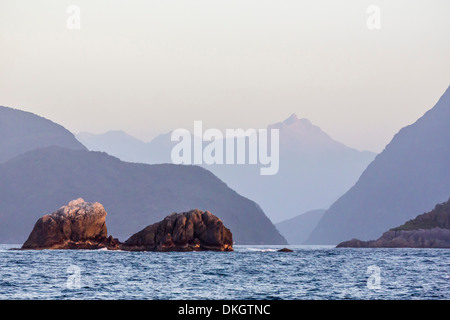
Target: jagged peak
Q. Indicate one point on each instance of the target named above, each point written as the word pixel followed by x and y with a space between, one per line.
pixel 293 118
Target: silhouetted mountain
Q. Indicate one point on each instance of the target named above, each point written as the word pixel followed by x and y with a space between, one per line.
pixel 297 230
pixel 134 195
pixel 22 131
pixel 314 169
pixel 409 176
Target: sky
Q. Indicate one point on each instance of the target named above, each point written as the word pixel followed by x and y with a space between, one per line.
pixel 147 67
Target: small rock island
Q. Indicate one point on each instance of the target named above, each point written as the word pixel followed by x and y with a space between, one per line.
pixel 79 225
pixel 428 230
pixel 188 231
pixel 82 225
pixel 285 250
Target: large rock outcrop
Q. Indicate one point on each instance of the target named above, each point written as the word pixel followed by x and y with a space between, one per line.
pixel 189 231
pixel 428 230
pixel 79 225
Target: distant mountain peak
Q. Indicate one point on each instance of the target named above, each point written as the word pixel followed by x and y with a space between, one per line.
pixel 293 119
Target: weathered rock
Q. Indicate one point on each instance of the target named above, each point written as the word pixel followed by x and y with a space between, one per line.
pixel 285 250
pixel 188 231
pixel 79 225
pixel 428 230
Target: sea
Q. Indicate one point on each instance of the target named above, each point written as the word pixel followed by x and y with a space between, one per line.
pixel 250 273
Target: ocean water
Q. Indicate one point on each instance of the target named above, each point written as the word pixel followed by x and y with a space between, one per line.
pixel 251 272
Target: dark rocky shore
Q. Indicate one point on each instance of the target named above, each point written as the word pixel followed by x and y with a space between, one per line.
pixel 428 230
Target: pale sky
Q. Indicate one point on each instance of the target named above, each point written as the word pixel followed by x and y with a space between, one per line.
pixel 148 67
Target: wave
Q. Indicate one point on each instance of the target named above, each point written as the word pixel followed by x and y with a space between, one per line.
pixel 261 250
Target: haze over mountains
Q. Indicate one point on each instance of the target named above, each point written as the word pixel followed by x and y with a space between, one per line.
pixel 44 166
pixel 126 147
pixel 411 175
pixel 22 131
pixel 314 169
pixel 44 177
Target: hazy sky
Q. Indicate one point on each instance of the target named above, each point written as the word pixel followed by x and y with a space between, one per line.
pixel 147 67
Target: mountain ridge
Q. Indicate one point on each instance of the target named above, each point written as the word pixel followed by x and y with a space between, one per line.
pixel 22 131
pixel 135 195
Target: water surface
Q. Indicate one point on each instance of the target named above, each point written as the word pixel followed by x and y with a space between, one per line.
pixel 251 272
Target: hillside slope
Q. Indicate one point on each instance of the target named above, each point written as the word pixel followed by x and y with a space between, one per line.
pixel 134 195
pixel 411 175
pixel 22 131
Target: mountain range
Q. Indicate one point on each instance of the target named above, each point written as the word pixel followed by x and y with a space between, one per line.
pixel 314 171
pixel 42 166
